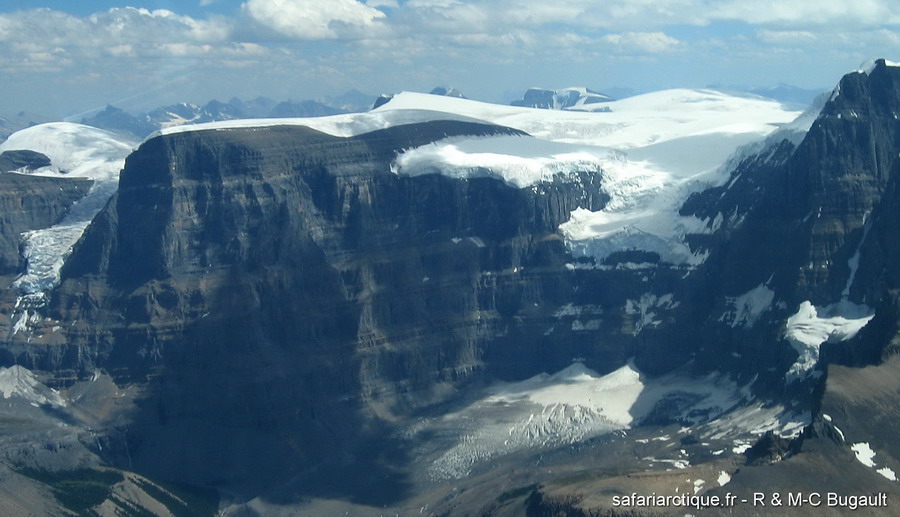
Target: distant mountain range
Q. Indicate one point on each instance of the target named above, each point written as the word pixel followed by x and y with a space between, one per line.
pixel 9 124
pixel 140 125
pixel 566 98
pixel 780 92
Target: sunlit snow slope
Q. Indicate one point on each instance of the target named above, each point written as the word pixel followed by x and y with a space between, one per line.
pixel 75 151
pixel 653 149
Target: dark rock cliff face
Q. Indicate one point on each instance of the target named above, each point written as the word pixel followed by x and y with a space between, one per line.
pixel 30 203
pixel 795 217
pixel 283 292
pixel 22 159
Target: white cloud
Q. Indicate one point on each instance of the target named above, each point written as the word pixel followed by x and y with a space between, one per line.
pixel 805 13
pixel 383 3
pixel 118 33
pixel 312 19
pixel 649 15
pixel 788 37
pixel 652 42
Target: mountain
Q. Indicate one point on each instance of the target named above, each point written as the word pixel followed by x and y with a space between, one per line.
pixel 352 101
pixel 140 125
pixel 447 92
pixel 119 121
pixel 566 98
pixel 9 124
pixel 468 308
pixel 787 93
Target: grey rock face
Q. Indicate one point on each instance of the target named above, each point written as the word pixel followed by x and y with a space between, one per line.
pixel 795 216
pixel 286 291
pixel 22 159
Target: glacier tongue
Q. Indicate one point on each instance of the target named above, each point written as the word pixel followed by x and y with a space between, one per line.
pixel 577 404
pixel 75 151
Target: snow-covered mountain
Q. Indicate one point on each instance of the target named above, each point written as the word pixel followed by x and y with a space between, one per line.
pixel 575 98
pixel 448 306
pixel 447 92
pixel 787 93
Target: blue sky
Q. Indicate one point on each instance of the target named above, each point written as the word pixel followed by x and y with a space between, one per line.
pixel 65 57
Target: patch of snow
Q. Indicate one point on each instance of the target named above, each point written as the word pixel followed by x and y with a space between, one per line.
pixel 748 307
pixel 611 395
pixel 741 447
pixel 572 310
pixel 864 453
pixel 589 325
pixel 797 128
pixel 678 464
pixel 645 308
pixel 888 473
pixel 866 456
pixel 698 485
pixel 21 323
pixel 724 478
pixel 17 381
pixel 841 433
pixel 756 419
pixel 869 65
pixel 853 262
pixel 810 326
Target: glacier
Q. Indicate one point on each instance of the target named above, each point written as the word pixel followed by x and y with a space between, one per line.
pixel 75 151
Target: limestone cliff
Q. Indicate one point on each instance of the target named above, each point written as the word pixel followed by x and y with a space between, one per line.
pixel 283 292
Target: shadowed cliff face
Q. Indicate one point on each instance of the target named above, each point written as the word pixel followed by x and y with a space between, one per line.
pixel 285 291
pixel 795 216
